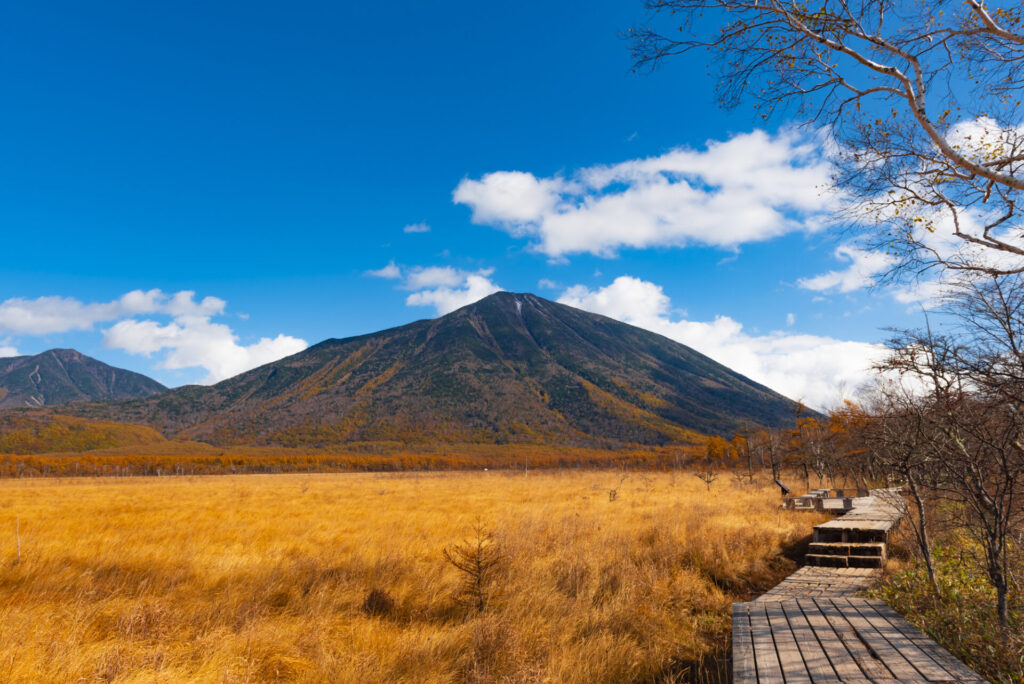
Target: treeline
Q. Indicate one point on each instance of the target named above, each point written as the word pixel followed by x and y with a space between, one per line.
pixel 196 458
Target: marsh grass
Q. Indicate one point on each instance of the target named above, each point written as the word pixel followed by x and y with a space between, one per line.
pixel 342 578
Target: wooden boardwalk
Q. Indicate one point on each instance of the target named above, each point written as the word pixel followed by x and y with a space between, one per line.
pixel 813 627
pixel 835 640
pixel 811 582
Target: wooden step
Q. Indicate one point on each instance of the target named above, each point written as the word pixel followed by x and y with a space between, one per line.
pixel 847 530
pixel 847 549
pixel 830 561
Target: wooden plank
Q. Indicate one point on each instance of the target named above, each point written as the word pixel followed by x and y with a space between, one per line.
pixel 947 660
pixel 869 664
pixel 785 637
pixel 817 661
pixel 793 667
pixel 878 645
pixel 766 659
pixel 843 663
pixel 921 661
pixel 743 668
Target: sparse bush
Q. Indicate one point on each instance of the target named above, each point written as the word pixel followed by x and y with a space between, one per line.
pixel 378 603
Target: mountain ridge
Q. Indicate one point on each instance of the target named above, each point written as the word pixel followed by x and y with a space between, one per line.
pixel 59 376
pixel 512 367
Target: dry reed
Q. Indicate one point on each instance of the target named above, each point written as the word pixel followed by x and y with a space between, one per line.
pixel 341 577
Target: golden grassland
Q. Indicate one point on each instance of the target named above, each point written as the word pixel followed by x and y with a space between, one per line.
pixel 259 578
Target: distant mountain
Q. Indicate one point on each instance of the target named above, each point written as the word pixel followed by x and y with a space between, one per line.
pixel 60 376
pixel 509 368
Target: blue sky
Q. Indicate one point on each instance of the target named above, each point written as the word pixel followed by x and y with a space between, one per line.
pixel 268 159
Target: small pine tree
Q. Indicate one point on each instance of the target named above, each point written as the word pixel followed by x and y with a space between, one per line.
pixel 478 560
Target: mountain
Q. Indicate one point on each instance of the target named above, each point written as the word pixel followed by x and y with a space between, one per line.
pixel 511 367
pixel 60 376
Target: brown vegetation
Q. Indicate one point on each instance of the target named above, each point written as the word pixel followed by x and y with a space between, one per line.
pixel 38 433
pixel 166 457
pixel 343 578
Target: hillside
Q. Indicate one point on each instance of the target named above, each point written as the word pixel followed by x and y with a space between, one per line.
pixel 28 432
pixel 60 376
pixel 509 368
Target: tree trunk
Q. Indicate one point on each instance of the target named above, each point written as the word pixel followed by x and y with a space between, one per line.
pixel 923 541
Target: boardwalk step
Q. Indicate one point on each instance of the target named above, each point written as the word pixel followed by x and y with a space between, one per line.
pixel 855 533
pixel 831 561
pixel 847 549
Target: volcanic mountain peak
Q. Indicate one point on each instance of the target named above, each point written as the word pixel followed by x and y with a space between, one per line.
pixel 510 367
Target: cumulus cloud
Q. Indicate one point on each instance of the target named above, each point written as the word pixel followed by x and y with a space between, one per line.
pixel 445 288
pixel 48 315
pixel 814 369
pixel 752 187
pixel 865 266
pixel 448 298
pixel 197 342
pixel 190 338
pixel 417 228
pixel 420 277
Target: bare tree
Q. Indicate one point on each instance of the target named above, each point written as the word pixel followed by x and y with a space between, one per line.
pixel 743 448
pixel 812 435
pixel 769 446
pixel 921 99
pixel 907 445
pixel 974 376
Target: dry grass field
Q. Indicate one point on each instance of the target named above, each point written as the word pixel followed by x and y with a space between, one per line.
pixel 260 578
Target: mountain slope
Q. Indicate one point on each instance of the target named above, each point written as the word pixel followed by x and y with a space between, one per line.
pixel 59 376
pixel 507 368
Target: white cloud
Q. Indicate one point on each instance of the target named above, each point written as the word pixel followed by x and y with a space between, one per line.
pixel 419 277
pixel 790 319
pixel 511 198
pixel 936 234
pixel 417 228
pixel 864 266
pixel 547 284
pixel 190 339
pixel 445 288
pixel 458 289
pixel 752 187
pixel 391 272
pixel 198 342
pixel 48 315
pixel 817 370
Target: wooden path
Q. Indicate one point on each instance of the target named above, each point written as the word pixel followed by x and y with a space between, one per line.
pixel 813 628
pixel 811 582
